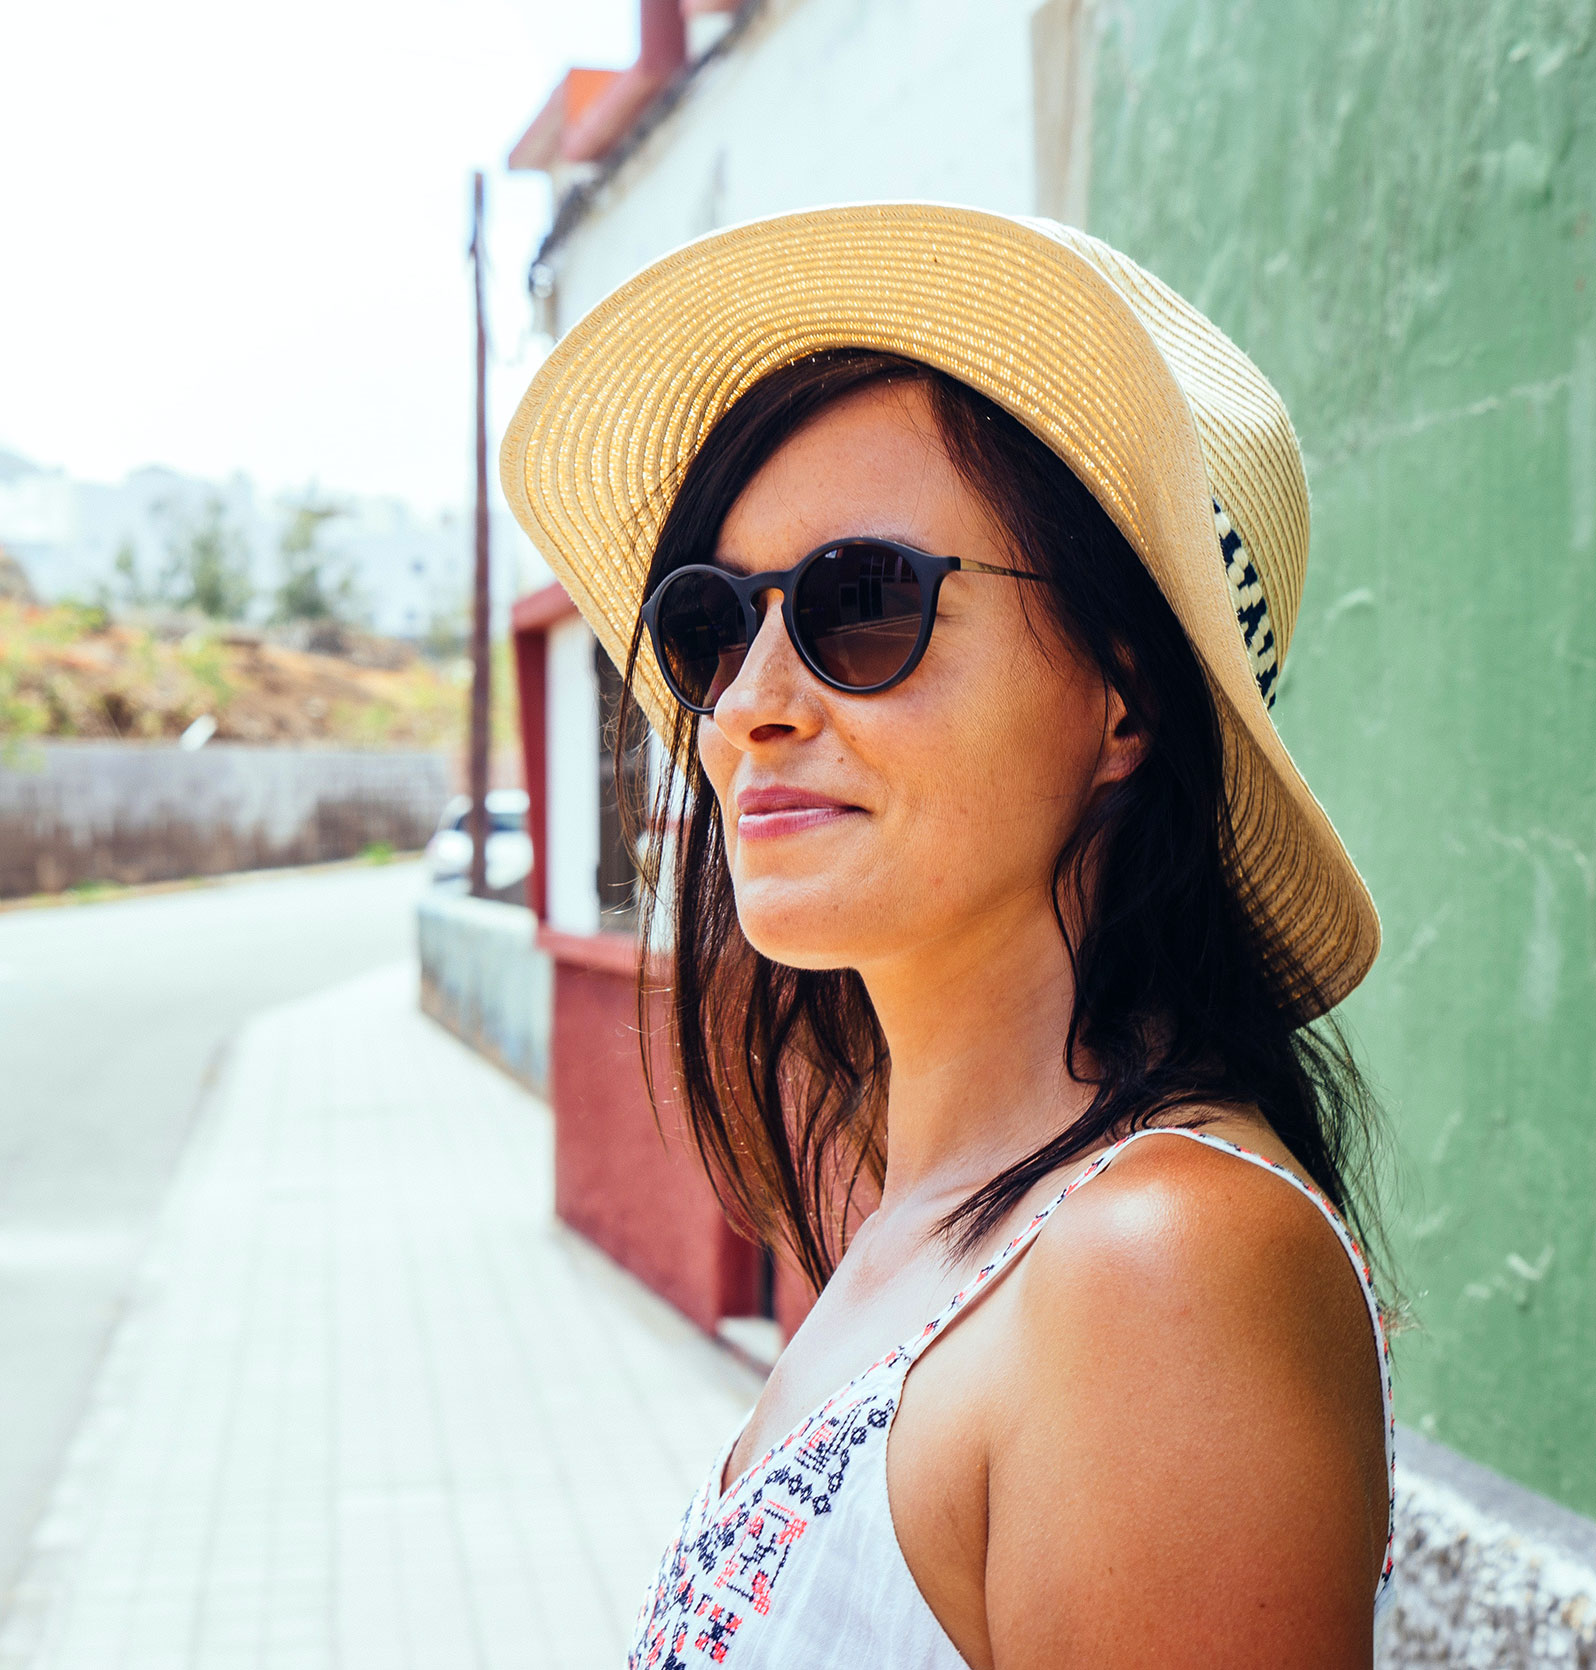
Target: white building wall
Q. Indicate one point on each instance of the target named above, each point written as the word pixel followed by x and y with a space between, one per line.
pixel 573 779
pixel 823 101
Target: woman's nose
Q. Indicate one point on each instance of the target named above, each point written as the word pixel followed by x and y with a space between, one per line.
pixel 772 693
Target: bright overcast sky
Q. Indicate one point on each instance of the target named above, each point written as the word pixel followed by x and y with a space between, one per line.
pixel 234 235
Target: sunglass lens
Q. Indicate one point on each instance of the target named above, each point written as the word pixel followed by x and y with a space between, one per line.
pixel 858 613
pixel 702 636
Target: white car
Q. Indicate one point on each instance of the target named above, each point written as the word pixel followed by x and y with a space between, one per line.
pixel 509 846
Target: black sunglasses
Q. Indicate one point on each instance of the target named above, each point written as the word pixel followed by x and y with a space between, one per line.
pixel 858 611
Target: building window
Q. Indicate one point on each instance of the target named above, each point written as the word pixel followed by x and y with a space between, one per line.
pixel 617 864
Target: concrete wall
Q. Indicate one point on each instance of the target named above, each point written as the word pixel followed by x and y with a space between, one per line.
pixel 483 977
pixel 133 812
pixel 1488 1575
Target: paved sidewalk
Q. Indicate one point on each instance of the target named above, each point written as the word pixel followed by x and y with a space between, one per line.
pixel 370 1407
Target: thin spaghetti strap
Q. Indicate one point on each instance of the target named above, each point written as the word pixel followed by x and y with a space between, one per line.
pixel 901 1358
pixel 991 1273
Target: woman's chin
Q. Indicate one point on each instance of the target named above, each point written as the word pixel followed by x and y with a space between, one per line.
pixel 812 937
pixel 796 950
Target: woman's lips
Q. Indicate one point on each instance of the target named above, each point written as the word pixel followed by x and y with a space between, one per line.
pixel 764 814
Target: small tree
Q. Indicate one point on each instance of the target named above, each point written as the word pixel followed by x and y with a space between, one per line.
pixel 126 586
pixel 207 566
pixel 315 584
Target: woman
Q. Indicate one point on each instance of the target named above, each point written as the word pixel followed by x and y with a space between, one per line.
pixel 955 559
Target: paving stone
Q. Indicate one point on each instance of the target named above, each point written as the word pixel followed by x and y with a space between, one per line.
pixel 370 1406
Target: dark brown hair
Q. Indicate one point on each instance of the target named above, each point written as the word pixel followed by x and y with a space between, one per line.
pixel 1180 996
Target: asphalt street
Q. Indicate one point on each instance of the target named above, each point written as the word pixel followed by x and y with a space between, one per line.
pixel 114 1020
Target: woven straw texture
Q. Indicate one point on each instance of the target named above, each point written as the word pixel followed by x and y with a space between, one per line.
pixel 1154 408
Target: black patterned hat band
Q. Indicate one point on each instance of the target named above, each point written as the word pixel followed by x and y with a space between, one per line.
pixel 1252 607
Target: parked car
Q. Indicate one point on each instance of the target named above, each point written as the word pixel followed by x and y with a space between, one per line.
pixel 509 853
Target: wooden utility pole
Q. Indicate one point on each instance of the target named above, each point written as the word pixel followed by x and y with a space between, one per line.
pixel 481 668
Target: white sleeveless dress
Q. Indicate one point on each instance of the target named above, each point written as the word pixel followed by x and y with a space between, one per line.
pixel 796 1566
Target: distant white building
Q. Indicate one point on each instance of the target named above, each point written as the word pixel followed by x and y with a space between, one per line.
pixel 410 572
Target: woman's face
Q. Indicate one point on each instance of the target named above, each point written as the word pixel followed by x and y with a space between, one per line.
pixel 866 828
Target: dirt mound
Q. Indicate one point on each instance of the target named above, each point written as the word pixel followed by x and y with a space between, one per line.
pixel 68 671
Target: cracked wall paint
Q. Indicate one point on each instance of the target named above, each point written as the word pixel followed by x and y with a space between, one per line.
pixel 1392 205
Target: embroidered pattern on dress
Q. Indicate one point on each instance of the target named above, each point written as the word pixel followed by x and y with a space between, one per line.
pixel 728 1556
pixel 730 1551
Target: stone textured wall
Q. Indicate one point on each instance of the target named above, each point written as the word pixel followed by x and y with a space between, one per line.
pixel 134 812
pixel 1489 1577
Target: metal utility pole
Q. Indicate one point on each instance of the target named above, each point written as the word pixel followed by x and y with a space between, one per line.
pixel 481 668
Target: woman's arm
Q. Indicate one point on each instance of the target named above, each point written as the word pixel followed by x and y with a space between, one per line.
pixel 1188 1468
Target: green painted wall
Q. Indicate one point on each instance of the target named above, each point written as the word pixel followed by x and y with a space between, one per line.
pixel 1390 204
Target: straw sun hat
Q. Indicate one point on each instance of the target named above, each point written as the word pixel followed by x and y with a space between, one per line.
pixel 1171 427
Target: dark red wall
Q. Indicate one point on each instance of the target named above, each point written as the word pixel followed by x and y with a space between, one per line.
pixel 641 1197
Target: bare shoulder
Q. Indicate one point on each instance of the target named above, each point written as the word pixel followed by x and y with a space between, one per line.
pixel 1172 1220
pixel 1180 1252
pixel 1196 1382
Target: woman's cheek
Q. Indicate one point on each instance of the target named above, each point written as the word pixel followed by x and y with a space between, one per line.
pixel 718 759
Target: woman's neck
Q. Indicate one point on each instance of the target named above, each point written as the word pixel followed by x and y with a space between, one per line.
pixel 975 1025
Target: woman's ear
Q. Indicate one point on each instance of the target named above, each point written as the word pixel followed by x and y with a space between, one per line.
pixel 1125 741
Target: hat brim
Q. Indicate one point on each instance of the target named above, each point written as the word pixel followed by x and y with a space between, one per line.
pixel 595 451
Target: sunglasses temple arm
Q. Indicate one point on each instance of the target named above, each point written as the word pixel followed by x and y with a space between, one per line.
pixel 968 567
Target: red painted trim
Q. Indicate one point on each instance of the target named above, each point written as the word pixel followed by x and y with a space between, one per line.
pixel 530 619
pixel 607 121
pixel 613 953
pixel 591 111
pixel 575 95
pixel 541 609
pixel 662 37
pixel 611 116
pixel 626 1171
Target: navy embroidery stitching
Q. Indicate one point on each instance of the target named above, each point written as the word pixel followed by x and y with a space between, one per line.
pixel 710 1582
